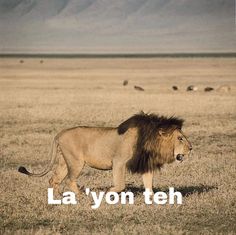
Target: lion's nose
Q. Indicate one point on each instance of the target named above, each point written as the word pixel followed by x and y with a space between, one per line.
pixel 190 148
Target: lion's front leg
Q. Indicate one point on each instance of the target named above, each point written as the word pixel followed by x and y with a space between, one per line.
pixel 147 181
pixel 118 176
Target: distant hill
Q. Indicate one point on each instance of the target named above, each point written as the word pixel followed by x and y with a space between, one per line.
pixel 117 26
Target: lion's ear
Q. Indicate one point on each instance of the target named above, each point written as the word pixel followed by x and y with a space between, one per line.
pixel 164 133
pixel 161 132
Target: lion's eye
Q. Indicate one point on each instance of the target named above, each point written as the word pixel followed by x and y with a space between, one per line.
pixel 180 138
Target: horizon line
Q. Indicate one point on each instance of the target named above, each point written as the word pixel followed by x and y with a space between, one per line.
pixel 117 55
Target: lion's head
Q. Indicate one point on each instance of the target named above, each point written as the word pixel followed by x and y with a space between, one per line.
pixel 160 140
pixel 174 145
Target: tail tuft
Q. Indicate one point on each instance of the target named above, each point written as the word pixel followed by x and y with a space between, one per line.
pixel 23 170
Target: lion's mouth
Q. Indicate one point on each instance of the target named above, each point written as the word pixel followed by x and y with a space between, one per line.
pixel 180 157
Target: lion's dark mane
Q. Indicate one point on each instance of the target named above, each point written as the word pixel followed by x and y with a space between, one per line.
pixel 146 159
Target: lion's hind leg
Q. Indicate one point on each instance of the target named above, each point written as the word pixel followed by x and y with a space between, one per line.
pixel 75 164
pixel 59 174
pixel 73 173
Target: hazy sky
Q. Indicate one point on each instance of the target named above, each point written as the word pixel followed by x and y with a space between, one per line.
pixel 81 26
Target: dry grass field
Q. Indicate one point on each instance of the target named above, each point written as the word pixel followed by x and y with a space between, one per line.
pixel 37 100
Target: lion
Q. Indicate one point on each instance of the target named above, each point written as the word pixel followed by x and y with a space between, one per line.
pixel 141 144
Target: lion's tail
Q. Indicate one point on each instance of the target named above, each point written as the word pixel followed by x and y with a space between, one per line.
pixel 53 154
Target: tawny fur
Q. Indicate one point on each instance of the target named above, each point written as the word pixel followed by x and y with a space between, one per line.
pixel 142 144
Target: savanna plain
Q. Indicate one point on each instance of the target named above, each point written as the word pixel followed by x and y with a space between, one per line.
pixel 40 97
